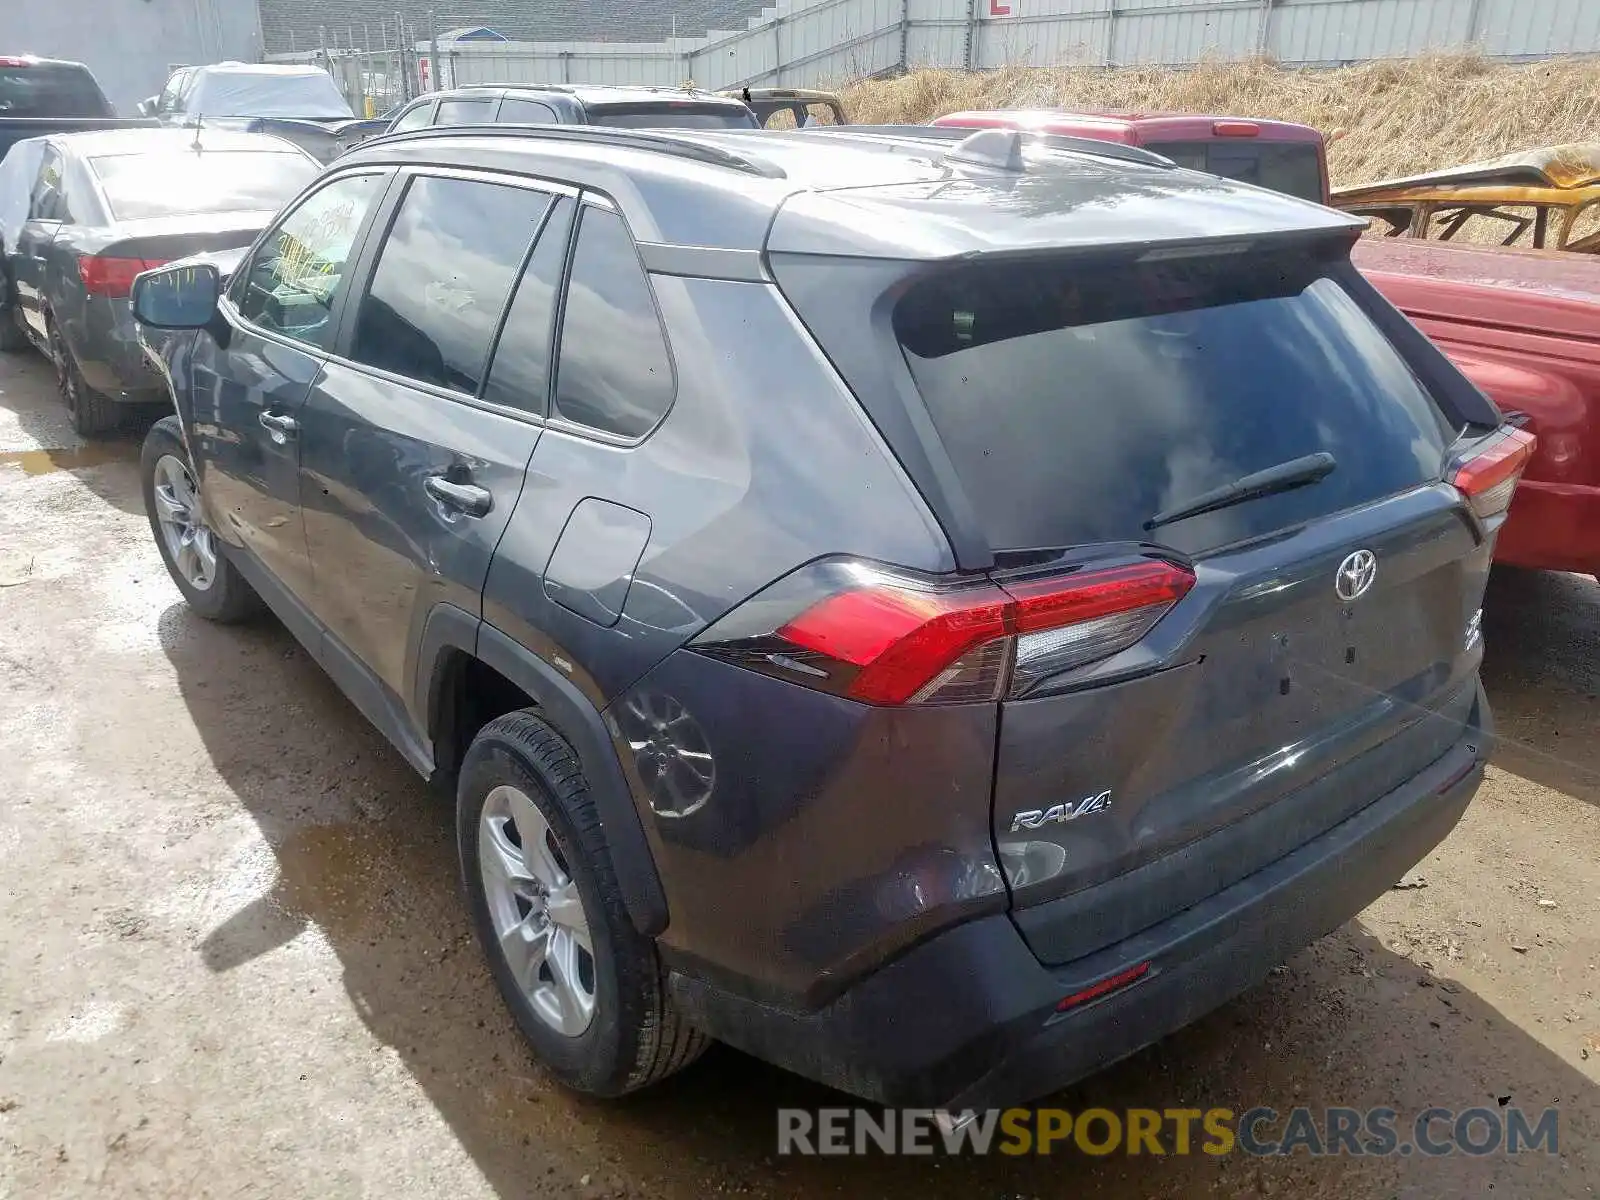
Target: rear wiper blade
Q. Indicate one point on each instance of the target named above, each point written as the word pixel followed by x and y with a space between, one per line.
pixel 1297 472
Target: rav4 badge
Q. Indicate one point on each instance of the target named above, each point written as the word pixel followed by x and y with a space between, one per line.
pixel 1060 814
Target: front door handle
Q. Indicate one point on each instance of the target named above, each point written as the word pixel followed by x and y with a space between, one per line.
pixel 281 428
pixel 463 497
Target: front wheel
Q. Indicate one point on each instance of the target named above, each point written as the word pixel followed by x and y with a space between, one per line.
pixel 210 584
pixel 584 986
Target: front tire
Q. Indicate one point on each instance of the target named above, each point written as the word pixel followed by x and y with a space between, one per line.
pixel 210 584
pixel 584 986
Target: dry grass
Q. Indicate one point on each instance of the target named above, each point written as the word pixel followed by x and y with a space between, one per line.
pixel 1399 117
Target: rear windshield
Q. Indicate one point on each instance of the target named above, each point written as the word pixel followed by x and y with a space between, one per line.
pixel 162 185
pixel 673 116
pixel 1290 167
pixel 1076 402
pixel 50 90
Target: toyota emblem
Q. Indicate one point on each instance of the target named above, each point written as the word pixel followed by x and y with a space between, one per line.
pixel 1355 575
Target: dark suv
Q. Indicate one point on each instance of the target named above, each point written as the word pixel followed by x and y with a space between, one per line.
pixel 592 104
pixel 937 614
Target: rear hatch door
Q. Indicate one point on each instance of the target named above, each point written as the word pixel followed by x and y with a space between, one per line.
pixel 1327 650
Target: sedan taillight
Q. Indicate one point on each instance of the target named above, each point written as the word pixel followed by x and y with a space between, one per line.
pixel 887 637
pixel 104 275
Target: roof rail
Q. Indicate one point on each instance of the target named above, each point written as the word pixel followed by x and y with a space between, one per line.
pixel 957 134
pixel 571 89
pixel 660 141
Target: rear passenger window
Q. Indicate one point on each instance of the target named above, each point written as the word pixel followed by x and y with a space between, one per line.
pixel 615 374
pixel 520 377
pixel 465 112
pixel 514 111
pixel 442 279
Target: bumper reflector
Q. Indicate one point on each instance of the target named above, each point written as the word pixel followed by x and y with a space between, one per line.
pixel 1095 990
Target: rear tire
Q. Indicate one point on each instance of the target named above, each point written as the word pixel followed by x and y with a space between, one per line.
pixel 522 800
pixel 12 339
pixel 211 585
pixel 91 413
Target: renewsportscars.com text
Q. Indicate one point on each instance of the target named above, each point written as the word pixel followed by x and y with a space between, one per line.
pixel 1259 1131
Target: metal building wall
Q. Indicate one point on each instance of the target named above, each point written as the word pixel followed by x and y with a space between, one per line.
pixel 812 42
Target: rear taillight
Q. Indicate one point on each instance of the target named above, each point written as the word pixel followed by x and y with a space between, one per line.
pixel 886 637
pixel 1489 476
pixel 106 276
pixel 11 60
pixel 1235 129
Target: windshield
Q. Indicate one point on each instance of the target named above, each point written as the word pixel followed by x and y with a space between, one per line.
pixel 673 115
pixel 50 90
pixel 1293 168
pixel 161 185
pixel 1078 401
pixel 265 94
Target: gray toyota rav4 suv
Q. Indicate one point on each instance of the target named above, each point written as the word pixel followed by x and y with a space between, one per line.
pixel 935 612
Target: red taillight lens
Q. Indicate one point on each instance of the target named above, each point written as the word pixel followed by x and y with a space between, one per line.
pixel 900 640
pixel 889 638
pixel 11 60
pixel 103 275
pixel 1235 129
pixel 1489 477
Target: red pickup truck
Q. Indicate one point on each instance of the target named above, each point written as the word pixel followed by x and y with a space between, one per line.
pixel 1280 155
pixel 1524 325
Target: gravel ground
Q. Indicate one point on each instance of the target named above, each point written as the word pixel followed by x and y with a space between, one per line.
pixel 233 960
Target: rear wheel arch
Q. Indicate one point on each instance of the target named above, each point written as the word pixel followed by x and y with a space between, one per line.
pixel 469 673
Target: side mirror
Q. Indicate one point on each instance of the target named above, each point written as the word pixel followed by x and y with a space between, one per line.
pixel 182 297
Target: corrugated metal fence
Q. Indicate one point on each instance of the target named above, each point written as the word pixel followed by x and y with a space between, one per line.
pixel 810 42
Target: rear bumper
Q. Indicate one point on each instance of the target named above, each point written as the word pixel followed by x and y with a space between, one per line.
pixel 1552 527
pixel 110 356
pixel 968 1019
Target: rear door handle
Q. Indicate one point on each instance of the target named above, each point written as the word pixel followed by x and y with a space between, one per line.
pixel 281 428
pixel 463 497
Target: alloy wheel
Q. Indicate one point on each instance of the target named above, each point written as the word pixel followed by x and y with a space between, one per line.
pixel 538 916
pixel 188 539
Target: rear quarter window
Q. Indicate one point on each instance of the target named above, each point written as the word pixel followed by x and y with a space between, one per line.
pixel 514 110
pixel 1077 401
pixel 614 371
